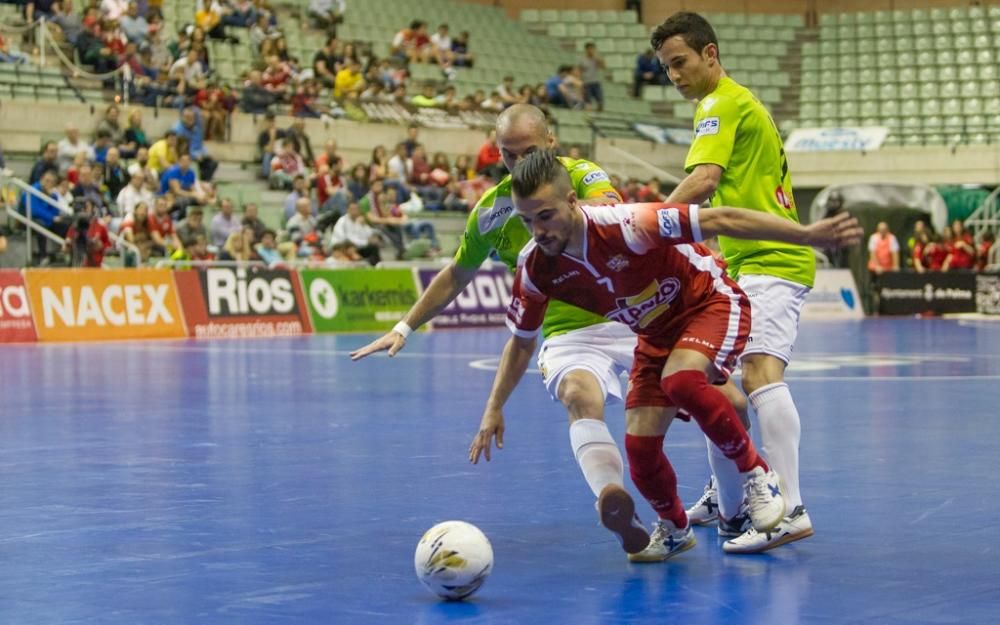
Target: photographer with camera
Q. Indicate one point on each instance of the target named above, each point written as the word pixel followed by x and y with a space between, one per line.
pixel 87 238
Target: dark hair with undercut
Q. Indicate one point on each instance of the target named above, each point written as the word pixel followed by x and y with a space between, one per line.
pixel 693 28
pixel 535 171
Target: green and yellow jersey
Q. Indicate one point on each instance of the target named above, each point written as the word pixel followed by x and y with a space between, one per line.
pixel 491 227
pixel 733 130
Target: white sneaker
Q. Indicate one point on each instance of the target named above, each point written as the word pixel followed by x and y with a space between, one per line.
pixel 795 526
pixel 666 542
pixel 736 526
pixel 764 500
pixel 706 509
pixel 617 512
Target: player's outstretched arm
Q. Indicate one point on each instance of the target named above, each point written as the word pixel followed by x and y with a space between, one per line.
pixel 740 223
pixel 444 288
pixel 514 362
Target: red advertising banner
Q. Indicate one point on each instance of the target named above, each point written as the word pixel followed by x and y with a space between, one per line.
pixel 16 324
pixel 224 302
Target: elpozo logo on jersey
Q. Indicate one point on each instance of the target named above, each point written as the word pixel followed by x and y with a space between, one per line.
pixel 707 126
pixel 639 310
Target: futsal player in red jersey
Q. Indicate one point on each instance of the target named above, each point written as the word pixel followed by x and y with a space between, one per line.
pixel 643 265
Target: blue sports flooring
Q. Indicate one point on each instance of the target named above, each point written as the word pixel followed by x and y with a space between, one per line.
pixel 275 481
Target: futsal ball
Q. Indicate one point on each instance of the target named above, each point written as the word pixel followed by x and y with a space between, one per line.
pixel 453 559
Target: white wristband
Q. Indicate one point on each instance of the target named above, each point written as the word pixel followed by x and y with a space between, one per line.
pixel 403 329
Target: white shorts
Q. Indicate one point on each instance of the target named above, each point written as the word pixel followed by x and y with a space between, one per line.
pixel 775 306
pixel 604 350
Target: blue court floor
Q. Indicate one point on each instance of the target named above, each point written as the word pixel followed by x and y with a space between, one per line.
pixel 275 481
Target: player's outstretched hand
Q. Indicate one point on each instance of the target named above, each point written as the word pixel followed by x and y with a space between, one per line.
pixel 491 426
pixel 392 341
pixel 838 231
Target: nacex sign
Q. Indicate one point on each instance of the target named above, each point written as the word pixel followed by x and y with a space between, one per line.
pixel 97 304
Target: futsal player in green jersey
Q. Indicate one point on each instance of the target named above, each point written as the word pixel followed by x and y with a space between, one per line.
pixel 737 159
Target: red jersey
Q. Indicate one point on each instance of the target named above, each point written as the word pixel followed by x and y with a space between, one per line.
pixel 162 224
pixel 641 266
pixel 962 257
pixel 935 255
pixel 983 254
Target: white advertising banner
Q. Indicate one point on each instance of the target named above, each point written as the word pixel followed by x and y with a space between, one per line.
pixel 828 139
pixel 834 296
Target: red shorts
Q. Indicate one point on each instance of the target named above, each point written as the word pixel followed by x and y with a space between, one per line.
pixel 719 330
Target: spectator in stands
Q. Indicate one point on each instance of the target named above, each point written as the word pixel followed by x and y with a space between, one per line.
pixel 488 161
pixel 45 214
pixel 261 31
pixel 141 163
pixel 648 72
pixel 420 179
pixel 268 143
pixel 48 162
pixel 296 133
pixel 36 9
pixel 556 88
pixel 115 176
pixel 257 98
pixel 133 25
pixel 182 182
pixel 454 199
pixel 276 76
pixel 135 135
pixel 87 238
pixel 267 249
pixel 87 190
pixel 192 226
pixel 329 155
pixel 883 250
pixel 331 188
pixel 238 247
pixel 353 237
pixel 325 63
pixel 196 250
pixel 961 249
pixel 651 192
pixel 630 193
pixel 211 18
pixel 114 9
pixel 425 99
pixel 505 90
pixel 349 81
pixel 573 87
pixel 357 181
pixel 286 166
pixel 919 250
pixel 300 190
pixel 69 21
pixel 441 50
pixel 301 227
pixel 138 229
pixel 397 165
pixel 326 14
pixel 133 193
pixel 242 14
pixel 252 221
pixel 462 170
pixel 593 68
pixel 215 106
pixel 71 145
pixel 983 252
pixel 441 173
pixel 191 128
pixel 379 166
pixel 8 55
pixel 412 44
pixel 460 51
pixel 188 75
pixel 224 223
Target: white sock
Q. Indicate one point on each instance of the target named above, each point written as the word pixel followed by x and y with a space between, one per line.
pixel 596 452
pixel 780 431
pixel 728 481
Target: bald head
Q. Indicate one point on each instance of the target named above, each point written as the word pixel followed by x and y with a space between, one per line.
pixel 522 117
pixel 521 130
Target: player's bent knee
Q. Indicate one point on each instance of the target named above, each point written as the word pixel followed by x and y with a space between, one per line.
pixel 581 394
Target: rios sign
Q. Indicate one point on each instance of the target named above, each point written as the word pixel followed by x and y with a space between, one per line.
pixel 358 300
pixel 223 302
